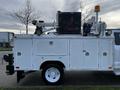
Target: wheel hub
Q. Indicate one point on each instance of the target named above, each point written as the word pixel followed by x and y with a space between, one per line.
pixel 52 74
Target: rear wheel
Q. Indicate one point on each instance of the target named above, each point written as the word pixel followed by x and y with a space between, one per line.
pixel 52 74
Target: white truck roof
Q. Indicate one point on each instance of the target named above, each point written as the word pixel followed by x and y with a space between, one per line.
pixel 24 36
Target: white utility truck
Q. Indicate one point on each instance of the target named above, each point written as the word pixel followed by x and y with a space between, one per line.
pixel 69 48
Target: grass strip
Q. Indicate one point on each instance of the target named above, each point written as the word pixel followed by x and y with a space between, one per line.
pixel 5 49
pixel 62 88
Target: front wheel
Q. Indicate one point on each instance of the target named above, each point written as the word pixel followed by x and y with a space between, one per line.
pixel 52 74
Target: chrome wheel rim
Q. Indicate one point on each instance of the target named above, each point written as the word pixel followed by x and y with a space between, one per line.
pixel 52 75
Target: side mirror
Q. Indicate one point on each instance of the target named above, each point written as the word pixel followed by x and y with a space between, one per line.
pixel 108 33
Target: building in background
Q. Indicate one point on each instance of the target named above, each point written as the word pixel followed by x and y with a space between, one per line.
pixel 5 38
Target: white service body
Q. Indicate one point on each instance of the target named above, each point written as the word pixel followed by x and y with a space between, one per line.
pixel 74 51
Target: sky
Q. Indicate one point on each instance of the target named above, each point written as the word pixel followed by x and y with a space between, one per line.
pixel 110 11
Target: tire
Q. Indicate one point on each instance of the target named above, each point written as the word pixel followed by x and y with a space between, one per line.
pixel 53 74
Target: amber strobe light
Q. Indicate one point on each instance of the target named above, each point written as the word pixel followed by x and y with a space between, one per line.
pixel 97 8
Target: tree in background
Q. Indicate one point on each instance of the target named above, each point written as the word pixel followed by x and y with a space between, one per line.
pixel 87 9
pixel 26 14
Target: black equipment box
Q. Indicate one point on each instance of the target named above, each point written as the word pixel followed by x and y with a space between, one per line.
pixel 69 23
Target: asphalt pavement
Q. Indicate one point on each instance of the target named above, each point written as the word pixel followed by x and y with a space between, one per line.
pixel 76 78
pixel 5 80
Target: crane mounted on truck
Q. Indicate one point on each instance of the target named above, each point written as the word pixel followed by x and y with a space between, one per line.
pixel 91 48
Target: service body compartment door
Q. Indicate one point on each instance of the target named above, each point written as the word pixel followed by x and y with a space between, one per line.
pixel 84 54
pixel 106 54
pixel 22 53
pixel 50 50
pixel 50 47
pixel 76 54
pixel 90 53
